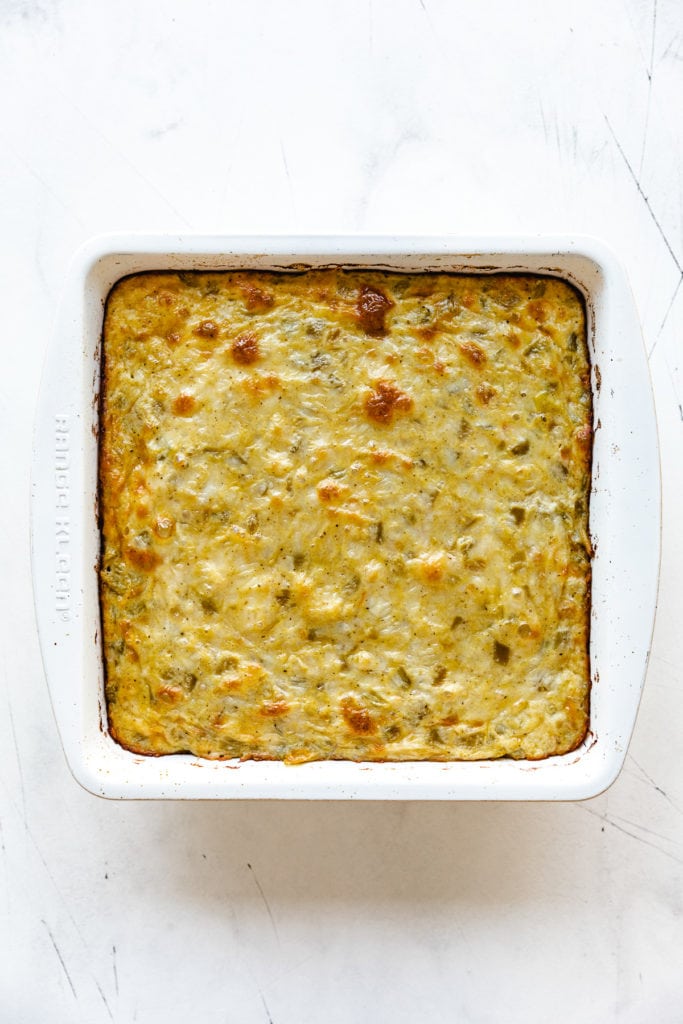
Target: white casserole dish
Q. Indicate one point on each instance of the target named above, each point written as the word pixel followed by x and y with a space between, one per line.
pixel 624 523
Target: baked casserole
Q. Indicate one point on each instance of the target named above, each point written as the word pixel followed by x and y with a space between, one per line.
pixel 345 515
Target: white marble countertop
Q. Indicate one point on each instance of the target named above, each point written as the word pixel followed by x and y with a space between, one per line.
pixel 422 116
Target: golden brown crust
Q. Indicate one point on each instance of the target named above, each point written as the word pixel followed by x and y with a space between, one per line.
pixel 345 515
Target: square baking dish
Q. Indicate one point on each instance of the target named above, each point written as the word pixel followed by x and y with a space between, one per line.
pixel 625 518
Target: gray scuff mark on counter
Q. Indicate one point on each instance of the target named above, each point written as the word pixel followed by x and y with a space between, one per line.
pixel 651 781
pixel 662 233
pixel 632 835
pixel 544 123
pixel 672 49
pixel 666 316
pixel 51 877
pixel 265 901
pixel 265 1007
pixel 18 756
pixel 289 177
pixel 672 380
pixel 67 207
pixel 103 997
pixel 30 12
pixel 643 828
pixel 122 155
pixel 165 129
pixel 60 958
pixel 650 72
pixel 645 199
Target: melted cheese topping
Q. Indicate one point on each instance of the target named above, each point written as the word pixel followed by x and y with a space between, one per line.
pixel 345 515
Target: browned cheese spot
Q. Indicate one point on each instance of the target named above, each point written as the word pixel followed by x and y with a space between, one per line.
pixel 371 309
pixel 432 572
pixel 380 456
pixel 472 352
pixel 245 349
pixel 256 299
pixel 429 332
pixel 450 720
pixel 257 386
pixel 357 717
pixel 143 558
pixel 206 329
pixel 328 490
pixel 385 400
pixel 170 694
pixel 426 355
pixel 184 404
pixel 485 392
pixel 173 338
pixel 274 709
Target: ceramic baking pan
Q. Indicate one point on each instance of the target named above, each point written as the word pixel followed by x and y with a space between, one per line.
pixel 624 524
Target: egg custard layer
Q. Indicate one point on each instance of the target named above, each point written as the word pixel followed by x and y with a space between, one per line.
pixel 345 515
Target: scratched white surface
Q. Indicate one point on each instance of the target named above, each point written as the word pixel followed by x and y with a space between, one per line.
pixel 382 116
